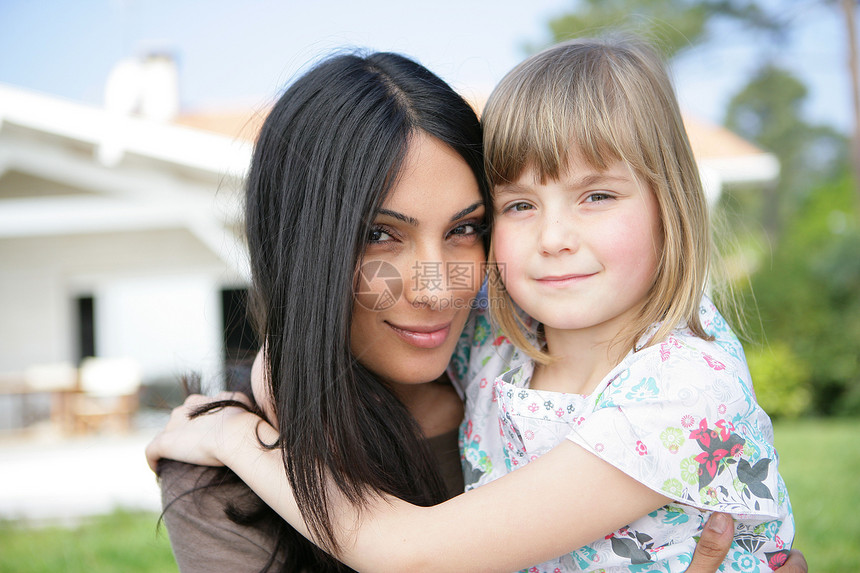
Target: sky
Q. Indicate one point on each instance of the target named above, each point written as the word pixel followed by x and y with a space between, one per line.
pixel 234 54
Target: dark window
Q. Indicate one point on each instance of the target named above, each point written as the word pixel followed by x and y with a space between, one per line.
pixel 240 340
pixel 86 327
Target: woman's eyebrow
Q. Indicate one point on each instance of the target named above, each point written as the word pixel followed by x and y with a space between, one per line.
pixel 414 222
pixel 467 210
pixel 399 216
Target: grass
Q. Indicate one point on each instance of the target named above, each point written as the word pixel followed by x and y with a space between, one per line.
pixel 819 460
pixel 121 541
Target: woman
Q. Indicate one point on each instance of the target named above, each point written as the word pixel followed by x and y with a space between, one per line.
pixel 330 152
pixel 364 155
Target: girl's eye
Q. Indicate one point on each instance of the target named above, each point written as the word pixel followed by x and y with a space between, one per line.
pixel 519 206
pixel 597 197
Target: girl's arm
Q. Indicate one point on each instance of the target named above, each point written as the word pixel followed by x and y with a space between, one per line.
pixel 559 502
pixel 526 517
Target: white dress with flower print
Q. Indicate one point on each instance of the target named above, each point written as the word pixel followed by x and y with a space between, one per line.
pixel 679 416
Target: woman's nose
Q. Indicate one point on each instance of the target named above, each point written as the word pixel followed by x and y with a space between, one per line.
pixel 439 283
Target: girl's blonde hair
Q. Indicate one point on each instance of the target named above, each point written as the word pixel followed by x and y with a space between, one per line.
pixel 607 100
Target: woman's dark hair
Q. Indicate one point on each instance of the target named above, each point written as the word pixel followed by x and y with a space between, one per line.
pixel 327 155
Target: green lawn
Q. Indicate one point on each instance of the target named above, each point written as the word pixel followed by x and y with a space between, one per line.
pixel 820 462
pixel 122 541
pixel 819 459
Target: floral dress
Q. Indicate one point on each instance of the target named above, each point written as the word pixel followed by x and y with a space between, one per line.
pixel 679 416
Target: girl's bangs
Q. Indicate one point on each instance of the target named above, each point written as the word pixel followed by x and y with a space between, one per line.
pixel 553 120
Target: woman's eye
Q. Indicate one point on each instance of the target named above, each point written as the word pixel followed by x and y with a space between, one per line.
pixel 465 229
pixel 467 232
pixel 378 235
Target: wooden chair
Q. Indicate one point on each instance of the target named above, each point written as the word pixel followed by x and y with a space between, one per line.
pixel 107 394
pixel 60 381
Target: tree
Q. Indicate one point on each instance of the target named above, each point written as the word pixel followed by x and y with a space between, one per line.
pixel 807 297
pixel 768 112
pixel 674 25
pixel 848 10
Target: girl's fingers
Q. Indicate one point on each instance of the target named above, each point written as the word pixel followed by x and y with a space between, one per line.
pixel 195 400
pixel 236 396
pixel 154 452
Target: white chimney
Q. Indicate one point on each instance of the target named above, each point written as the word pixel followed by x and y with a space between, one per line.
pixel 124 87
pixel 147 86
pixel 160 88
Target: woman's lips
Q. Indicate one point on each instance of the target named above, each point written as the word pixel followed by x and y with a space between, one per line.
pixel 423 336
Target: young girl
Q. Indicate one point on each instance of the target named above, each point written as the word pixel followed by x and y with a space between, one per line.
pixel 601 237
pixel 625 407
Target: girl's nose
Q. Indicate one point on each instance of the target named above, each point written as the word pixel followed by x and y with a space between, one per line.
pixel 558 235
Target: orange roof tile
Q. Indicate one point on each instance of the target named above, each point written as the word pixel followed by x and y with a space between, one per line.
pixel 711 141
pixel 241 124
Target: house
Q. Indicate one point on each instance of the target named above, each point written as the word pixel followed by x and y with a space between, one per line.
pixel 119 236
pixel 120 227
pixel 726 160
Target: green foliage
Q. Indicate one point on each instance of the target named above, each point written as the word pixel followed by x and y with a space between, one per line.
pixel 122 541
pixel 674 25
pixel 805 291
pixel 768 111
pixel 820 461
pixel 768 108
pixel 781 380
pixel 807 297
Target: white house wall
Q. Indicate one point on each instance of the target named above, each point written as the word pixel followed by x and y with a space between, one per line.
pixel 36 316
pixel 139 215
pixel 138 279
pixel 168 324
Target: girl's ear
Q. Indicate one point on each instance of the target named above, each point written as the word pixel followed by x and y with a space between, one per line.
pixel 261 388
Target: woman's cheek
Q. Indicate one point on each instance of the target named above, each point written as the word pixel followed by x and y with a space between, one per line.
pixel 260 389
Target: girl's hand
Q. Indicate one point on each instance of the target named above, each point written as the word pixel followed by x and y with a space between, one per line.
pixel 205 439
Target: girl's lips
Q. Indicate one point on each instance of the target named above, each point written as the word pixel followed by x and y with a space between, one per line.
pixel 423 336
pixel 563 280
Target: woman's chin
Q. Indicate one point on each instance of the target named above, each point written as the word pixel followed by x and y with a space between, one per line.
pixel 414 373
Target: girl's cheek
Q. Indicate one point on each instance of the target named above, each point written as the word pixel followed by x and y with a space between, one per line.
pixel 501 243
